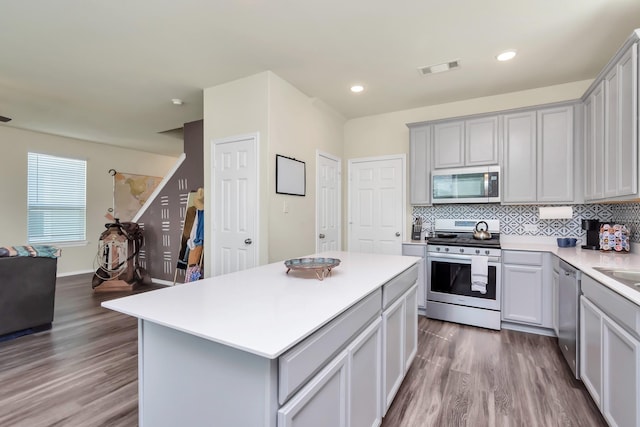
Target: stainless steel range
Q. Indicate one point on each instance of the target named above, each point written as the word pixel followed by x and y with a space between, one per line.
pixel 464 273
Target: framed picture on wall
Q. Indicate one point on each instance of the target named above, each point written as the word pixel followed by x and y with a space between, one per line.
pixel 290 176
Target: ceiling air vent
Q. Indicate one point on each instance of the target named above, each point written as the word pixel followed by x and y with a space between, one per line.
pixel 4 119
pixel 439 68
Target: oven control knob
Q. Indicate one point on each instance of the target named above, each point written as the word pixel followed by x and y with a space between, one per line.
pixel 438 249
pixel 487 252
pixel 477 251
pixel 446 249
pixel 461 250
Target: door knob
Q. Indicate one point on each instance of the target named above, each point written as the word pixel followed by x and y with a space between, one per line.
pixel 248 241
pixel 321 236
pixel 397 234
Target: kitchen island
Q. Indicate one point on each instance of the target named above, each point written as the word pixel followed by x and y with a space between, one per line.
pixel 262 347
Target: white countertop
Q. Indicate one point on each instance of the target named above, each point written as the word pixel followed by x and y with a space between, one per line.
pixel 263 310
pixel 585 260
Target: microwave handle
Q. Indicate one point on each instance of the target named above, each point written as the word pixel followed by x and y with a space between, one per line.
pixel 486 184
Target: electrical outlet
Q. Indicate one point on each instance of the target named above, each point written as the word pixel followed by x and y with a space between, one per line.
pixel 531 228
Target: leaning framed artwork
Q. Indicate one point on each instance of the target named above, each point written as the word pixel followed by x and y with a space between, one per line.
pixel 290 176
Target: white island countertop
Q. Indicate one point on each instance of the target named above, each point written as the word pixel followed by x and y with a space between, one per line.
pixel 263 310
pixel 585 260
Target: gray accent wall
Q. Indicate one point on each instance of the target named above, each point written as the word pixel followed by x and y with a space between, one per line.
pixel 163 220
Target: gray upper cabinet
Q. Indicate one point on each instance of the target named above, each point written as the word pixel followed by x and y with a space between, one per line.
pixel 555 154
pixel 420 164
pixel 594 144
pixel 472 142
pixel 519 157
pixel 538 156
pixel 621 173
pixel 448 145
pixel 611 129
pixel 481 141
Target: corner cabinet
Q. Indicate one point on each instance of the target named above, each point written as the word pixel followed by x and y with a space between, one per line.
pixel 611 128
pixel 420 164
pixel 610 352
pixel 538 156
pixel 472 142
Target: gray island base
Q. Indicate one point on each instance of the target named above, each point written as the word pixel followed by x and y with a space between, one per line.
pixel 261 348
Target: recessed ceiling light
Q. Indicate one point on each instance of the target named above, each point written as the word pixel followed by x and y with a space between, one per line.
pixel 357 88
pixel 506 55
pixel 177 101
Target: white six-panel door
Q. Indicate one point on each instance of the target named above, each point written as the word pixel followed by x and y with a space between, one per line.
pixel 377 204
pixel 235 204
pixel 328 212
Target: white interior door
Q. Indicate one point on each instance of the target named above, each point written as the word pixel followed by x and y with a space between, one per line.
pixel 235 204
pixel 328 212
pixel 377 205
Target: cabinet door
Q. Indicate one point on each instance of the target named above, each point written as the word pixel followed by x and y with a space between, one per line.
pixel 621 378
pixel 365 378
pixel 481 141
pixel 519 157
pixel 421 251
pixel 522 294
pixel 411 327
pixel 621 126
pixel 555 292
pixel 555 154
pixel 322 402
pixel 420 164
pixel 627 124
pixel 393 347
pixel 448 145
pixel 594 144
pixel 591 348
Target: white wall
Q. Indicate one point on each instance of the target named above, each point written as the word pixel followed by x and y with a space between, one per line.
pixel 385 134
pixel 289 123
pixel 239 107
pixel 16 143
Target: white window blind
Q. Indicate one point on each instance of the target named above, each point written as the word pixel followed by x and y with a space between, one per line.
pixel 56 199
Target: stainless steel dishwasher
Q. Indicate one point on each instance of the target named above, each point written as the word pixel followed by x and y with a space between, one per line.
pixel 569 315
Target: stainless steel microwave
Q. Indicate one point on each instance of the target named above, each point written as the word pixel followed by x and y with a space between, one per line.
pixel 466 185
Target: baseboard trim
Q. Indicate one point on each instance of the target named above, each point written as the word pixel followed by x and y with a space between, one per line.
pixel 74 273
pixel 529 329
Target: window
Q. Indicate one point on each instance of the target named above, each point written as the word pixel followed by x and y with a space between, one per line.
pixel 56 200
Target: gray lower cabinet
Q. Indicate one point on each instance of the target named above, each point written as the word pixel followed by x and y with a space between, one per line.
pixel 591 348
pixel 610 353
pixel 323 401
pixel 524 293
pixel 555 296
pixel 399 343
pixel 421 251
pixel 346 392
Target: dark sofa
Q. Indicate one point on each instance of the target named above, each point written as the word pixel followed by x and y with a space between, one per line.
pixel 27 293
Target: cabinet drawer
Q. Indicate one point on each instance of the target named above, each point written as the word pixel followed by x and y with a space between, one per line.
pixel 522 257
pixel 414 250
pixel 399 285
pixel 304 360
pixel 615 306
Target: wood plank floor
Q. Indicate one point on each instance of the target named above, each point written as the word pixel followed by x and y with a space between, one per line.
pixel 467 376
pixel 83 372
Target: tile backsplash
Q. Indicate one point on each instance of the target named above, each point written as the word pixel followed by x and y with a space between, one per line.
pixel 514 218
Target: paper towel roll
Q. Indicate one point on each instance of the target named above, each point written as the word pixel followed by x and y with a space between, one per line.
pixel 556 212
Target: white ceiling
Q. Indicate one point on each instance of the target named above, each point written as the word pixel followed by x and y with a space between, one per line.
pixel 106 71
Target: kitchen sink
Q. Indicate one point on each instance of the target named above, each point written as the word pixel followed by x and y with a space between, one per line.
pixel 628 277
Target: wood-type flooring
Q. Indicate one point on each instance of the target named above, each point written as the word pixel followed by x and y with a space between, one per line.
pixel 83 372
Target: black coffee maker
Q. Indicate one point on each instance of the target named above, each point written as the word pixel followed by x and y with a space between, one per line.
pixel 592 226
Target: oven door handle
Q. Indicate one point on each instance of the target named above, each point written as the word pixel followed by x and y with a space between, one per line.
pixel 454 257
